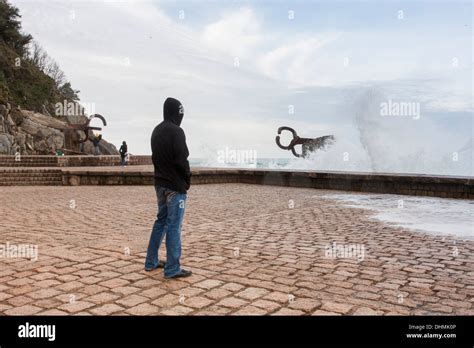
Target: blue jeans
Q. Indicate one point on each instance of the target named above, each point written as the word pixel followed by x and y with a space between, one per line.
pixel 168 222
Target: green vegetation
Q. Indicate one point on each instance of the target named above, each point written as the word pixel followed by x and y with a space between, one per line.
pixel 28 76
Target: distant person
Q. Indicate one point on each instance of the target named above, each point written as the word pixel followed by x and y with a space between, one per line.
pixel 172 180
pixel 18 154
pixel 96 142
pixel 123 153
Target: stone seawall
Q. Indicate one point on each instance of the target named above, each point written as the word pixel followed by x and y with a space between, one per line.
pixel 405 184
pixel 70 161
pixel 102 161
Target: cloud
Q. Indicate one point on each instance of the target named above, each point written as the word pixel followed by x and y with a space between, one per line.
pixel 295 61
pixel 140 10
pixel 237 34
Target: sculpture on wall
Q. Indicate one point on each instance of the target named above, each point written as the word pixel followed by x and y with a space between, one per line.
pixel 86 126
pixel 309 145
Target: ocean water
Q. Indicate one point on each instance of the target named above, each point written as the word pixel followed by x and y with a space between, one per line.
pixel 264 163
pixel 436 216
pixel 330 161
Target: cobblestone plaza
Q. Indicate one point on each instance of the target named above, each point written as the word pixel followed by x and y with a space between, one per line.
pixel 253 250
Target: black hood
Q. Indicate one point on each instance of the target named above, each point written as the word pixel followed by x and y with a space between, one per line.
pixel 173 111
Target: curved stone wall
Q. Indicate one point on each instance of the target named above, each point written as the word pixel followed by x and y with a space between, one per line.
pixel 416 185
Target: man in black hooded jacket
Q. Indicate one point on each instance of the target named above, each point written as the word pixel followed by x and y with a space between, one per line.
pixel 172 180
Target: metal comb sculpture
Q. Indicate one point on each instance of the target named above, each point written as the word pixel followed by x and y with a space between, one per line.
pixel 86 126
pixel 308 145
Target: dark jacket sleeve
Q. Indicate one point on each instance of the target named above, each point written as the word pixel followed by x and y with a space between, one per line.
pixel 181 154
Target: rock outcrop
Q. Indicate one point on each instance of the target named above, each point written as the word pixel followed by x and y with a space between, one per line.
pixel 32 133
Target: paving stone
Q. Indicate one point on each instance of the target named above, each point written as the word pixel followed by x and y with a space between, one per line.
pixel 214 310
pixel 320 312
pixel 217 293
pixel 23 310
pixel 76 307
pixel 20 281
pixel 279 297
pixel 53 312
pixel 47 283
pixel 103 297
pixel 366 311
pixel 269 306
pixel 304 304
pixel 177 310
pixel 288 311
pixel 196 302
pixel 43 293
pixel 143 309
pixel 125 290
pixel 107 309
pixel 336 307
pixel 208 284
pixel 232 302
pixel 152 293
pixel 166 301
pixel 18 301
pixel 131 300
pixel 92 289
pixel 70 286
pixel 233 286
pixel 250 310
pixel 252 293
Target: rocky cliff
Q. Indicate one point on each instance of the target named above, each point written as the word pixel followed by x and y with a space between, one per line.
pixel 32 133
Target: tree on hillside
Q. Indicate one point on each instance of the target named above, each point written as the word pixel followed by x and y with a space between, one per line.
pixel 10 28
pixel 53 71
pixel 68 93
pixel 39 57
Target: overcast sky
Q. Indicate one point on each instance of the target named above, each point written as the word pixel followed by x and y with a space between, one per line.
pixel 239 66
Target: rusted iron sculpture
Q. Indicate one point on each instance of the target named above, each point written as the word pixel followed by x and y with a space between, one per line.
pixel 308 145
pixel 86 126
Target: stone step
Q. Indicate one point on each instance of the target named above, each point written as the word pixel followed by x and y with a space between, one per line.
pixel 71 161
pixel 31 183
pixel 31 178
pixel 29 170
pixel 27 164
pixel 20 172
pixel 30 175
pixel 17 180
pixel 29 161
pixel 24 177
